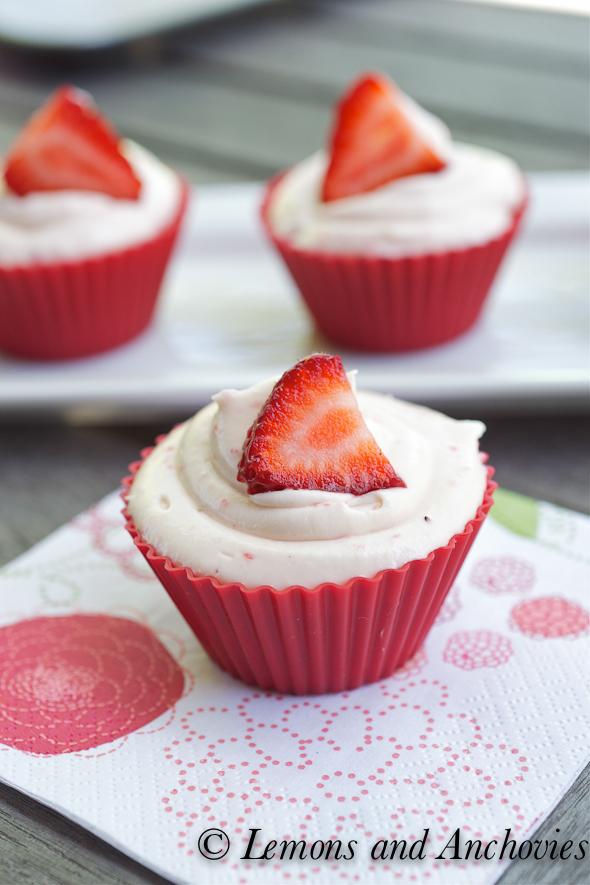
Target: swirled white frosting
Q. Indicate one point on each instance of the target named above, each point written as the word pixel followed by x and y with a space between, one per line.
pixel 469 202
pixel 66 225
pixel 187 502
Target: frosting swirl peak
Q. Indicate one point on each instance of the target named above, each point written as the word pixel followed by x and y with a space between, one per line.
pixel 187 502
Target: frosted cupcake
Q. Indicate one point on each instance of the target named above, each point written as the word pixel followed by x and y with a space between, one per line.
pixel 87 224
pixel 309 534
pixel 395 233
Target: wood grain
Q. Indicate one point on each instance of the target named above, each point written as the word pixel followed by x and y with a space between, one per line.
pixel 240 98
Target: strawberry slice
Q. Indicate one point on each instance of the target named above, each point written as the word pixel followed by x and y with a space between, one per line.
pixel 68 145
pixel 373 141
pixel 310 434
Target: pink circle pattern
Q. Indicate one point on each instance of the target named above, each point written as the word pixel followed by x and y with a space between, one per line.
pixel 224 781
pixel 108 540
pixel 503 574
pixel 413 667
pixel 550 617
pixel 472 649
pixel 450 606
pixel 71 683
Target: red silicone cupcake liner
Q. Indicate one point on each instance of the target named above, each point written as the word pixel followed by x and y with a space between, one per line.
pixel 73 309
pixel 374 303
pixel 332 638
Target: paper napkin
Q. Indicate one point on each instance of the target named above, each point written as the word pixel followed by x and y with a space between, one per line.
pixel 112 714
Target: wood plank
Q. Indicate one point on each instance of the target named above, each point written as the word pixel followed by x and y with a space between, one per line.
pixel 8 132
pixel 555 101
pixel 206 162
pixel 195 165
pixel 571 818
pixel 262 133
pixel 533 147
pixel 426 26
pixel 41 847
pixel 253 96
pixel 509 26
pixel 201 123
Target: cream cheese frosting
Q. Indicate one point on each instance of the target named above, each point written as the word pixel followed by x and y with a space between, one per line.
pixel 69 225
pixel 469 202
pixel 187 502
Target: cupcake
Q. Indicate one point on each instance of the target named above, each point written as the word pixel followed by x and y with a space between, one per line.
pixel 395 233
pixel 307 533
pixel 87 224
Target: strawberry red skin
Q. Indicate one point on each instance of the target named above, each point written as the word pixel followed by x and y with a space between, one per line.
pixel 68 145
pixel 310 434
pixel 373 141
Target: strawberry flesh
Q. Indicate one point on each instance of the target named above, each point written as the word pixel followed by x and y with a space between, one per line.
pixel 310 434
pixel 374 141
pixel 68 145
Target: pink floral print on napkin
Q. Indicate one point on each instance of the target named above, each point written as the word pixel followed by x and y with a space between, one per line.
pixel 550 617
pixel 503 574
pixel 71 683
pixel 472 649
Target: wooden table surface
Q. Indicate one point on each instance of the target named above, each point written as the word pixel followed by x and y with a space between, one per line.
pixel 239 98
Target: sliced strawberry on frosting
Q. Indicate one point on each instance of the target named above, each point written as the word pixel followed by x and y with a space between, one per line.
pixel 68 145
pixel 310 434
pixel 374 141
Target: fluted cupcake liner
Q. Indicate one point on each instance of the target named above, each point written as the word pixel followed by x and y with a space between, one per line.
pixel 331 638
pixel 70 309
pixel 368 302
